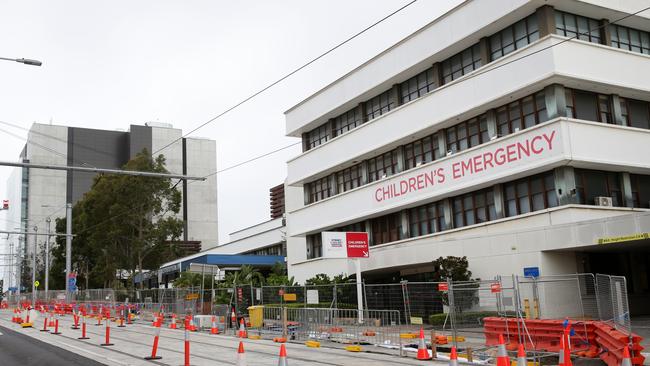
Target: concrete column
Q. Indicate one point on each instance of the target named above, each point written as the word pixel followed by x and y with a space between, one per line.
pixel 437 74
pixel 334 189
pixel 499 201
pixel 491 118
pixel 442 143
pixel 395 96
pixel 404 217
pixel 448 213
pixel 305 141
pixel 305 191
pixel 626 189
pixel 331 127
pixel 364 172
pixel 565 185
pixel 484 46
pixel 369 231
pixel 546 20
pixel 617 113
pixel 362 109
pixel 555 101
pixel 605 34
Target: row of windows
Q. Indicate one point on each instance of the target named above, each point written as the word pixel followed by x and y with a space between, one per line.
pixel 515 116
pixel 521 196
pixel 500 44
pixel 272 250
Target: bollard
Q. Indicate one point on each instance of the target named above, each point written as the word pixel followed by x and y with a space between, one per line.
pixel 187 342
pixel 214 329
pixel 470 356
pixel 76 321
pixel 121 325
pixel 154 348
pixel 83 328
pixel 434 348
pixel 45 324
pixel 107 334
pixel 56 327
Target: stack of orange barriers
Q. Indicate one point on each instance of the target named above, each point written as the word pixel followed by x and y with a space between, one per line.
pixel 593 338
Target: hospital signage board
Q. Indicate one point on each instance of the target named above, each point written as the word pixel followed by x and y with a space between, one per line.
pixel 345 244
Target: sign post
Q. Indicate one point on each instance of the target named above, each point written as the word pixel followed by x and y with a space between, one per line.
pixel 351 245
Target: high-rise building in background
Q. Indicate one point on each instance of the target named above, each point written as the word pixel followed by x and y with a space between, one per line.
pixel 36 194
pixel 488 133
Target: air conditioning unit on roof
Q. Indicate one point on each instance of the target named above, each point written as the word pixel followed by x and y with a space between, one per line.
pixel 603 201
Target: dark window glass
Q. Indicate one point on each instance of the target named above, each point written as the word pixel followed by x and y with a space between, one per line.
pixel 520 114
pixel 382 166
pixel 461 63
pixel 588 106
pixel 420 151
pixel 417 86
pixel 357 227
pixel 630 39
pixel 386 229
pixel 571 25
pixel 640 190
pixel 349 178
pixel 636 113
pixel 319 136
pixel 426 219
pixel 314 246
pixel 347 121
pixel 529 194
pixel 319 189
pixel 379 105
pixel 592 183
pixel 514 37
pixel 472 208
pixel 467 134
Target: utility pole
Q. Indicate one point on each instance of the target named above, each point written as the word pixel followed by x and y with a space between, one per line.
pixel 34 268
pixel 47 260
pixel 68 248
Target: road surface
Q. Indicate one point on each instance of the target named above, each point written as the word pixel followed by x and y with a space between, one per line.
pixel 20 350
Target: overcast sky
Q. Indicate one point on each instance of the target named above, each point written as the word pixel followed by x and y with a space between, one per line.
pixel 109 64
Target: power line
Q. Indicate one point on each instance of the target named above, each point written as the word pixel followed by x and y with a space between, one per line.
pixel 286 76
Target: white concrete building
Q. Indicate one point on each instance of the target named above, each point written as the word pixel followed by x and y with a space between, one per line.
pixel 36 194
pixel 489 133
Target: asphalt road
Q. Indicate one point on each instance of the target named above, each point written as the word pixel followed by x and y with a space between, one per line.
pixel 20 350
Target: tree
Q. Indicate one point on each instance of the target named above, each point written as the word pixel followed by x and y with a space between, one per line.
pixel 123 223
pixel 453 268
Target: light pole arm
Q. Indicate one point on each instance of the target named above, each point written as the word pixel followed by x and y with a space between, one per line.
pixel 25 61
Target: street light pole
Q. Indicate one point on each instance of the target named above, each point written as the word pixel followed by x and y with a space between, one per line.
pixel 68 248
pixel 25 61
pixel 47 260
pixel 34 269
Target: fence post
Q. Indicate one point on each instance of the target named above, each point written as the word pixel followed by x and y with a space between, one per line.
pixel 335 300
pixel 284 322
pixel 452 312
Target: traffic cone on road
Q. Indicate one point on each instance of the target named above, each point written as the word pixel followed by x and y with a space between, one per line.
pixel 214 329
pixel 502 354
pixel 627 361
pixel 521 356
pixel 453 357
pixel 242 329
pixel 173 323
pixel 567 349
pixel 241 357
pixel 282 361
pixel 423 352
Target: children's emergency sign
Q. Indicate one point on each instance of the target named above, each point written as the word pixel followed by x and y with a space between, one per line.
pixel 345 244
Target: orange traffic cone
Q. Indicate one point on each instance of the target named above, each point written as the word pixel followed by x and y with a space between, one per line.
pixel 627 361
pixel 241 357
pixel 521 356
pixel 453 357
pixel 502 354
pixel 283 356
pixel 214 329
pixel 567 349
pixel 242 329
pixel 423 352
pixel 173 323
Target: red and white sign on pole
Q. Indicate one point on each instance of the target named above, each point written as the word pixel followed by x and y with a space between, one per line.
pixel 495 287
pixel 345 244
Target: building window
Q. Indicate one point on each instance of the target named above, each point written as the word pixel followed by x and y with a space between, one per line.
pixel 314 246
pixel 461 64
pixel 417 86
pixel 426 219
pixel 473 208
pixel 386 229
pixel 571 25
pixel 349 178
pixel 467 134
pixel 530 194
pixel 523 113
pixel 636 113
pixel 420 151
pixel 592 183
pixel 382 166
pixel 640 190
pixel 379 105
pixel 588 106
pixel 319 189
pixel 318 136
pixel 630 39
pixel 514 37
pixel 347 121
